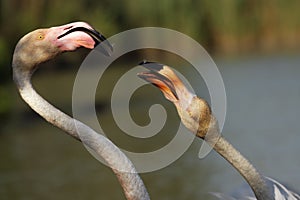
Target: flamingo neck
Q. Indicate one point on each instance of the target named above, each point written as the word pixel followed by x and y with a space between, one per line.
pixel 43 107
pixel 99 145
pixel 241 164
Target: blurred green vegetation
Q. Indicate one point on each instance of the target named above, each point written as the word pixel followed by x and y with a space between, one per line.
pixel 226 27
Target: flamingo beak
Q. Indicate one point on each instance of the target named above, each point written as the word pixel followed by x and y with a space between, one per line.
pixel 105 48
pixel 156 77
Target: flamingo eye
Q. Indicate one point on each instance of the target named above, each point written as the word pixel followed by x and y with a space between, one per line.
pixel 40 36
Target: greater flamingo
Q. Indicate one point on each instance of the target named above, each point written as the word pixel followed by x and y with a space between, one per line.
pixel 44 44
pixel 196 115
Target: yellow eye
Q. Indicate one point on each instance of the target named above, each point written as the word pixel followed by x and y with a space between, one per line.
pixel 40 36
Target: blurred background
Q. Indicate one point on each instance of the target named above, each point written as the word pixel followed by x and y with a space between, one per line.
pixel 254 43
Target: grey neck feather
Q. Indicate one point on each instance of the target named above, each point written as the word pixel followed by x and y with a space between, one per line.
pixel 126 173
pixel 240 163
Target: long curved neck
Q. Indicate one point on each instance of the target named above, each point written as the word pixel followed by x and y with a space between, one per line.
pixel 245 168
pixel 44 108
pixel 128 177
pixel 241 164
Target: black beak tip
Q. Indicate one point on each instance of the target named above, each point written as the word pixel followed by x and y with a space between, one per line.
pixel 144 62
pixel 153 66
pixel 104 46
pixel 105 41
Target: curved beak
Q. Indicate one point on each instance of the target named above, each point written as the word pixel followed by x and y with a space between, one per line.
pixel 157 76
pixel 167 81
pixel 105 48
pixel 194 112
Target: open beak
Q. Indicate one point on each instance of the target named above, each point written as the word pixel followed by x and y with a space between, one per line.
pixel 157 76
pixel 167 81
pixel 194 112
pixel 105 48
